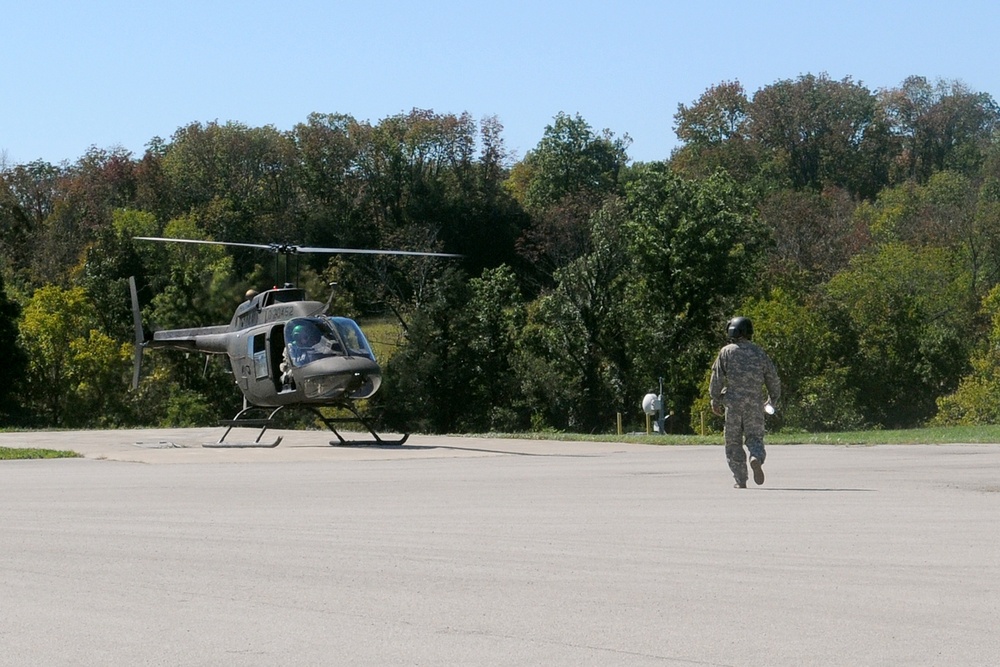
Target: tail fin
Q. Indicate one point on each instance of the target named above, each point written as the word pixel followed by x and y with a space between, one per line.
pixel 140 336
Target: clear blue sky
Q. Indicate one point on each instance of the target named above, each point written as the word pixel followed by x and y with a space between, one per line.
pixel 119 72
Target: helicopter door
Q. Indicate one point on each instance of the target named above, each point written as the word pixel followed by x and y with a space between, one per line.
pixel 276 352
pixel 265 351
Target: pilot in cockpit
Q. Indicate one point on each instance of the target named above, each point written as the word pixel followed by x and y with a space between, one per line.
pixel 306 343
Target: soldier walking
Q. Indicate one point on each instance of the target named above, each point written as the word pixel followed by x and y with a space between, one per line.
pixel 739 375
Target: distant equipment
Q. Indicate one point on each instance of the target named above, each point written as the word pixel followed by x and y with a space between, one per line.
pixel 652 404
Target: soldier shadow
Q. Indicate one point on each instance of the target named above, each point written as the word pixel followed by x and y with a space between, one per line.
pixel 814 489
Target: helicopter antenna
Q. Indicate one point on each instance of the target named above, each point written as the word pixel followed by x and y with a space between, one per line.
pixel 329 301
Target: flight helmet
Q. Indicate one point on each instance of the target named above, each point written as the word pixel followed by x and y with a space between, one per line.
pixel 305 334
pixel 740 327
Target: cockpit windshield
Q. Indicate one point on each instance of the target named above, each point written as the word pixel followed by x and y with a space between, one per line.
pixel 310 338
pixel 353 337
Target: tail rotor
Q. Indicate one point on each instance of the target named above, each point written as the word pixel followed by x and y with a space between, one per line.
pixel 140 336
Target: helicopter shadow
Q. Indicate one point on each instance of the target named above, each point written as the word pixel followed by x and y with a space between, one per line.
pixel 482 450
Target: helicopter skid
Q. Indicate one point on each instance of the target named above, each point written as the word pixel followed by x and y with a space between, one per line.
pixel 240 421
pixel 240 445
pixel 376 442
pixel 341 441
pixel 265 422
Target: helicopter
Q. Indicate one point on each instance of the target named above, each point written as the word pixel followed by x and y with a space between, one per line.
pixel 284 350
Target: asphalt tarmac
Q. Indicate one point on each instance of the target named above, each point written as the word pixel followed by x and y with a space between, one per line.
pixel 154 550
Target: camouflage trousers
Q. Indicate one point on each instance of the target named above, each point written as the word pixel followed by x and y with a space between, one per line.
pixel 744 426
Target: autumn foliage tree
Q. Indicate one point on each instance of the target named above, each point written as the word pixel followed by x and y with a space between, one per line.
pixel 859 227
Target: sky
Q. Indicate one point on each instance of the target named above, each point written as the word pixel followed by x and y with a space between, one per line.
pixel 118 73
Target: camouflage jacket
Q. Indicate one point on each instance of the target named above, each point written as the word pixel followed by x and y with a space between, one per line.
pixel 740 373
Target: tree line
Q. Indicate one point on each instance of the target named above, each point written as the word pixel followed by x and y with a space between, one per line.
pixel 860 229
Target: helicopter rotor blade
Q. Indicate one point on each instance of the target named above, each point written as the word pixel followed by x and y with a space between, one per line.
pixel 197 241
pixel 362 251
pixel 290 249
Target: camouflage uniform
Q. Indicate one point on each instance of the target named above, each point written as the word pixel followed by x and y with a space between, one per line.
pixel 739 374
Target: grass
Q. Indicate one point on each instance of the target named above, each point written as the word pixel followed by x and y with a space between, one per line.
pixel 18 453
pixel 385 336
pixel 14 453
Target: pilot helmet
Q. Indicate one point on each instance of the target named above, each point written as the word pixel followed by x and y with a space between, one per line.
pixel 740 327
pixel 305 334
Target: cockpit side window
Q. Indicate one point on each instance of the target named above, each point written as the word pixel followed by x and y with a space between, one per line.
pixel 286 295
pixel 258 352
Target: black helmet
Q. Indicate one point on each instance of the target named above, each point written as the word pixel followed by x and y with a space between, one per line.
pixel 740 327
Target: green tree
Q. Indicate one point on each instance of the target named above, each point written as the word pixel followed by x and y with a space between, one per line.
pixel 334 188
pixel 573 356
pixel 426 383
pixel 938 126
pixel 819 132
pixel 416 183
pixel 27 197
pixel 107 265
pixel 15 361
pixel 975 401
pixel 911 312
pixel 250 169
pixel 696 247
pixel 196 289
pixel 152 187
pixel 489 220
pixel 547 363
pixel 497 312
pixel 454 373
pixel 570 159
pixel 327 152
pixel 811 349
pixel 98 183
pixel 714 134
pixel 561 183
pixel 83 199
pixel 815 235
pixel 76 374
pixel 949 211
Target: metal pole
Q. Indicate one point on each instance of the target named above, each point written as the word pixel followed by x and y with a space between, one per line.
pixel 659 412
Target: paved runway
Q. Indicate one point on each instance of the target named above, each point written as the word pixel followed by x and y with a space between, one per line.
pixel 460 551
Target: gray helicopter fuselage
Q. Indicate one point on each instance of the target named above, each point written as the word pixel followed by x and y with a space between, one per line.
pixel 262 355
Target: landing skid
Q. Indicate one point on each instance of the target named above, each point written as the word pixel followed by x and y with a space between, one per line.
pixel 241 420
pixel 377 440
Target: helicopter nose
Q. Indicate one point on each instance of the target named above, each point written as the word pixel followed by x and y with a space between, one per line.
pixel 335 378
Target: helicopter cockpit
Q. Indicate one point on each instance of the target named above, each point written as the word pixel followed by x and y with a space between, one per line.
pixel 311 338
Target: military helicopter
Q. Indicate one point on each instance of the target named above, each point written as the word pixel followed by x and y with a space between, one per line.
pixel 285 351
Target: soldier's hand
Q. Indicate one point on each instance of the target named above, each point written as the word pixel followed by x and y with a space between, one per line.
pixel 717 410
